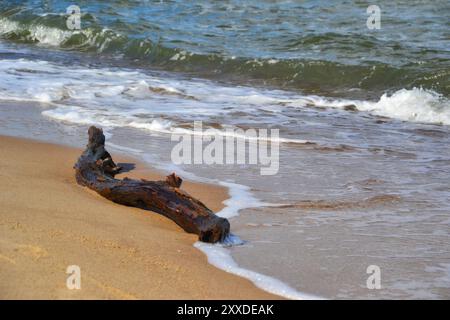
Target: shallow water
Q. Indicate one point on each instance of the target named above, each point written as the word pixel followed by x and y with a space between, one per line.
pixel 311 46
pixel 364 152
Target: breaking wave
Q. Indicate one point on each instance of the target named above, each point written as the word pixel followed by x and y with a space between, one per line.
pixel 313 76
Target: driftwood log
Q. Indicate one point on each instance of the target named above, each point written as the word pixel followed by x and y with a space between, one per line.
pixel 96 169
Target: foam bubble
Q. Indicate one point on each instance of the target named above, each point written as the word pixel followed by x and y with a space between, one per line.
pixel 162 126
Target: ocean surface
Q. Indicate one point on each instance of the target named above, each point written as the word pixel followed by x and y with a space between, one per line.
pixel 363 118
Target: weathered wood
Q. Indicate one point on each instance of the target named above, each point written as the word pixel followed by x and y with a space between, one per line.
pixel 96 169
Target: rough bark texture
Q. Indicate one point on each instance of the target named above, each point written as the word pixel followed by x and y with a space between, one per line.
pixel 95 169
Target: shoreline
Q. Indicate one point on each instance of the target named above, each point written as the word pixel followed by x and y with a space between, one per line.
pixel 49 223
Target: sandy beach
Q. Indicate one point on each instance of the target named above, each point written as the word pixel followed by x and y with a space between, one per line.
pixel 48 222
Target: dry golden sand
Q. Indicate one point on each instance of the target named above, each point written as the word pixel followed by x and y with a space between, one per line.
pixel 48 222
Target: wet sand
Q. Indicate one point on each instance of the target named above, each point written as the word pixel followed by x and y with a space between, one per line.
pixel 48 222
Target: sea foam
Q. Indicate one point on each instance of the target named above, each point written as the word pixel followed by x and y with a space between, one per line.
pixel 413 105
